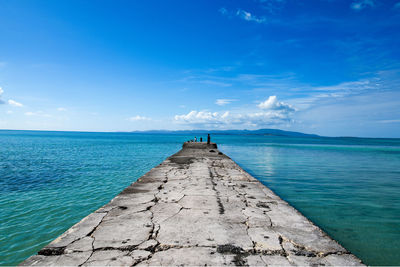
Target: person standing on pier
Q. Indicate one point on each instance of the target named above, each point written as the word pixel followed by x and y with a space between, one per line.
pixel 195 139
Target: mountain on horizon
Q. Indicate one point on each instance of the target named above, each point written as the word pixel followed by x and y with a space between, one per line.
pixel 272 132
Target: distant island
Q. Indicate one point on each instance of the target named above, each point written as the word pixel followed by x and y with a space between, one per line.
pixel 273 132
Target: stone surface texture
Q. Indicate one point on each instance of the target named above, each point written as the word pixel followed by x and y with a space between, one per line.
pixel 198 207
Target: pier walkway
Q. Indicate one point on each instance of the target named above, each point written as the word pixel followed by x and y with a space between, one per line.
pixel 198 207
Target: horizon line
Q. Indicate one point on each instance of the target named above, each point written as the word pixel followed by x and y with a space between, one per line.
pixel 194 130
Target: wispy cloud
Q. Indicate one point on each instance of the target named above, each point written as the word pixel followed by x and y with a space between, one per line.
pixel 349 88
pixel 10 101
pixel 221 69
pixel 249 80
pixel 222 102
pixel 139 118
pixel 223 11
pixel 361 4
pixel 397 5
pixel 1 92
pixel 243 14
pixel 270 115
pixel 250 17
pixel 216 83
pixel 272 6
pixel 37 113
pixel 314 96
pixel 303 95
pixel 15 103
pixel 389 121
pixel 61 109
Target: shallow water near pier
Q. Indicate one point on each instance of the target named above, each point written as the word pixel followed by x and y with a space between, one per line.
pixel 347 186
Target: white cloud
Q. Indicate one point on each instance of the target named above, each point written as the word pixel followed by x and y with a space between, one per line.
pixel 277 113
pixel 249 17
pixel 199 117
pixel 361 4
pixel 138 118
pixel 232 120
pixel 272 103
pixel 38 113
pixel 222 102
pixel 9 112
pixel 61 109
pixel 14 103
pixel 10 101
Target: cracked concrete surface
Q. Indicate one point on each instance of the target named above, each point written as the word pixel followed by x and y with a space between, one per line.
pixel 198 207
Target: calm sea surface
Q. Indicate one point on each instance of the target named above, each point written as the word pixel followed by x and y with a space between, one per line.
pixel 350 187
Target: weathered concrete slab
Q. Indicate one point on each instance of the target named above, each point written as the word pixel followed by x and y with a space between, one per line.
pixel 196 208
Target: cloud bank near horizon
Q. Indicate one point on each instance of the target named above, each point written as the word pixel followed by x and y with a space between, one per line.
pixel 271 112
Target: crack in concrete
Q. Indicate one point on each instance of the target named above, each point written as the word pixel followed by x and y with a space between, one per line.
pixel 301 250
pixel 221 208
pixel 126 248
pixel 155 227
pixel 91 233
pixel 285 253
pixel 176 213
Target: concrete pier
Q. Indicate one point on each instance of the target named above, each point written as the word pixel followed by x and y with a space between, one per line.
pixel 198 207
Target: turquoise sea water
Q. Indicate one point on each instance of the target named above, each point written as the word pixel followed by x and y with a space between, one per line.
pixel 350 187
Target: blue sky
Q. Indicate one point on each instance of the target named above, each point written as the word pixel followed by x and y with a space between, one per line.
pixel 330 67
